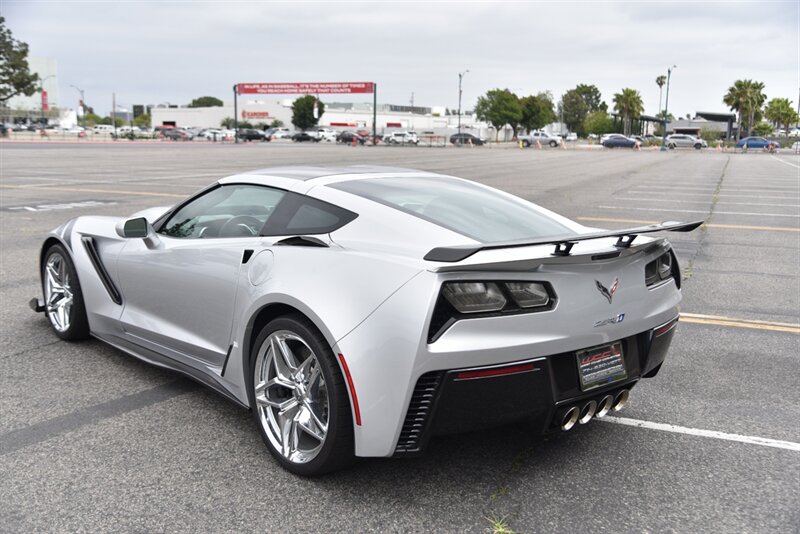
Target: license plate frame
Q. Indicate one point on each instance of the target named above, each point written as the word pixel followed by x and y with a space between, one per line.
pixel 601 366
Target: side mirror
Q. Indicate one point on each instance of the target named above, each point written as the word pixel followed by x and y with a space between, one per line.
pixel 139 228
pixel 135 228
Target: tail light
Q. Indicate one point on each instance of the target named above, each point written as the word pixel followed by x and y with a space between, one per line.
pixel 662 268
pixel 471 299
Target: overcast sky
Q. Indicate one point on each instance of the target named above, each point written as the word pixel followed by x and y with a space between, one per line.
pixel 155 52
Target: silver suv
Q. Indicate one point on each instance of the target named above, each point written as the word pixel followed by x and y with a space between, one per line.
pixel 544 139
pixel 685 141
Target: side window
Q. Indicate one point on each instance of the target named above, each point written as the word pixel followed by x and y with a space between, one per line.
pixel 227 211
pixel 302 215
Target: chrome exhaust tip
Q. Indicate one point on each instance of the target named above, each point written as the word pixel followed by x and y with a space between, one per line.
pixel 604 406
pixel 621 400
pixel 570 418
pixel 587 412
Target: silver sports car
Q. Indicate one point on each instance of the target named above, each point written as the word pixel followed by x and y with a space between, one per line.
pixel 360 311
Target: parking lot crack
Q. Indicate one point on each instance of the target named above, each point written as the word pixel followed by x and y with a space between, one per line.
pixel 703 233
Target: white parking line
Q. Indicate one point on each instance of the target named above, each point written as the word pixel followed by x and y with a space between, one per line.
pixel 751 440
pixel 705 195
pixel 707 201
pixel 784 161
pixel 628 208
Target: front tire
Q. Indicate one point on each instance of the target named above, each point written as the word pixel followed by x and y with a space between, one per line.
pixel 299 398
pixel 63 299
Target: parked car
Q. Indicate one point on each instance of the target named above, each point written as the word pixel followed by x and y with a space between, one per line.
pixel 402 138
pixel 572 136
pixel 251 134
pixel 465 138
pixel 371 309
pixel 347 137
pixel 618 141
pixel 213 134
pixel 282 133
pixel 757 143
pixel 684 141
pixel 543 138
pixel 103 128
pixel 176 134
pixel 301 137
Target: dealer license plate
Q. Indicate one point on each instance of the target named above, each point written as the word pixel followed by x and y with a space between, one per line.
pixel 600 366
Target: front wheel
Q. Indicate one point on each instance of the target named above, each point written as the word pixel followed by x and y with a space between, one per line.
pixel 698 146
pixel 63 300
pixel 553 144
pixel 672 146
pixel 300 399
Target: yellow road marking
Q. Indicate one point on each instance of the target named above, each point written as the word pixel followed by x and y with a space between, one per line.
pixel 707 225
pixel 697 318
pixel 87 190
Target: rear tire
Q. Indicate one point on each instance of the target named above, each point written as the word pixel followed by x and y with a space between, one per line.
pixel 299 398
pixel 672 146
pixel 63 299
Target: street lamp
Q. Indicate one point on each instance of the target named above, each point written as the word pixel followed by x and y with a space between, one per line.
pixel 666 111
pixel 41 90
pixel 83 105
pixel 460 77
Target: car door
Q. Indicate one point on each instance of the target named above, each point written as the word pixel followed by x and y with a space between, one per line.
pixel 179 288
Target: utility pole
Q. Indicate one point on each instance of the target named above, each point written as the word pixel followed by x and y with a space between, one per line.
pixel 411 122
pixel 666 111
pixel 236 113
pixel 83 105
pixel 460 78
pixel 114 112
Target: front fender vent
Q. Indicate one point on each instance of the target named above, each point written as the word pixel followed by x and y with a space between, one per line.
pixel 419 413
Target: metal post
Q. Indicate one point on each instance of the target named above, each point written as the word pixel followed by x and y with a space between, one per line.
pixel 374 114
pixel 666 111
pixel 460 78
pixel 235 113
pixel 83 104
pixel 114 112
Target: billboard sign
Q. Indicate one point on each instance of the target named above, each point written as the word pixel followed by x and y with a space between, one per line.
pixel 45 106
pixel 305 88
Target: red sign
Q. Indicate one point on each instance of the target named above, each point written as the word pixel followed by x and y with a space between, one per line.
pixel 45 107
pixel 305 88
pixel 255 114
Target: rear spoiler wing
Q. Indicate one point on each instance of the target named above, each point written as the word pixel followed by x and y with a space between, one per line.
pixel 563 244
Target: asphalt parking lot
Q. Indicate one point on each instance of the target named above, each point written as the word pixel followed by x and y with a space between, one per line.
pixel 92 439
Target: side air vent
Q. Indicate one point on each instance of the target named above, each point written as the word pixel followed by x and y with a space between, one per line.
pixel 419 412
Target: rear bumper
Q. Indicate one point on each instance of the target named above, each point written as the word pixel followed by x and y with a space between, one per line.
pixel 539 391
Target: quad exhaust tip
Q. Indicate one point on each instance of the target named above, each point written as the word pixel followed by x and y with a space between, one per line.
pixel 587 412
pixel 621 400
pixel 580 415
pixel 570 418
pixel 604 406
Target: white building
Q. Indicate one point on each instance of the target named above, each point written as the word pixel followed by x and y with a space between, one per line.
pixel 45 67
pixel 337 115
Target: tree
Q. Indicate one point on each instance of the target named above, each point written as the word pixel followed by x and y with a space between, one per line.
pixel 576 104
pixel 763 129
pixel 598 123
pixel 227 123
pixel 142 121
pixel 629 104
pixel 499 107
pixel 781 113
pixel 746 98
pixel 303 112
pixel 537 111
pixel 206 102
pixel 15 76
pixel 276 123
pixel 660 82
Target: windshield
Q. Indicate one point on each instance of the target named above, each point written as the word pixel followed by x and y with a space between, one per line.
pixel 481 214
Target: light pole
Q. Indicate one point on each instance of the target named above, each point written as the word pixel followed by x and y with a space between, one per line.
pixel 83 105
pixel 460 77
pixel 666 111
pixel 41 90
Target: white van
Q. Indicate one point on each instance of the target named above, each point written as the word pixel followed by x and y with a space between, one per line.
pixel 103 128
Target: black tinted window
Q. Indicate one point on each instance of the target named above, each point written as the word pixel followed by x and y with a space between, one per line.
pixel 299 214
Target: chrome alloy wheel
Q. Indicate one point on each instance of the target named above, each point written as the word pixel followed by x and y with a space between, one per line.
pixel 291 396
pixel 57 292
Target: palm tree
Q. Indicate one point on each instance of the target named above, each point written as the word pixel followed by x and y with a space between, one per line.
pixel 660 81
pixel 746 98
pixel 629 104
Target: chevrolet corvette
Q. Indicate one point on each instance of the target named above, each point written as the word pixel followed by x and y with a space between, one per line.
pixel 360 311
